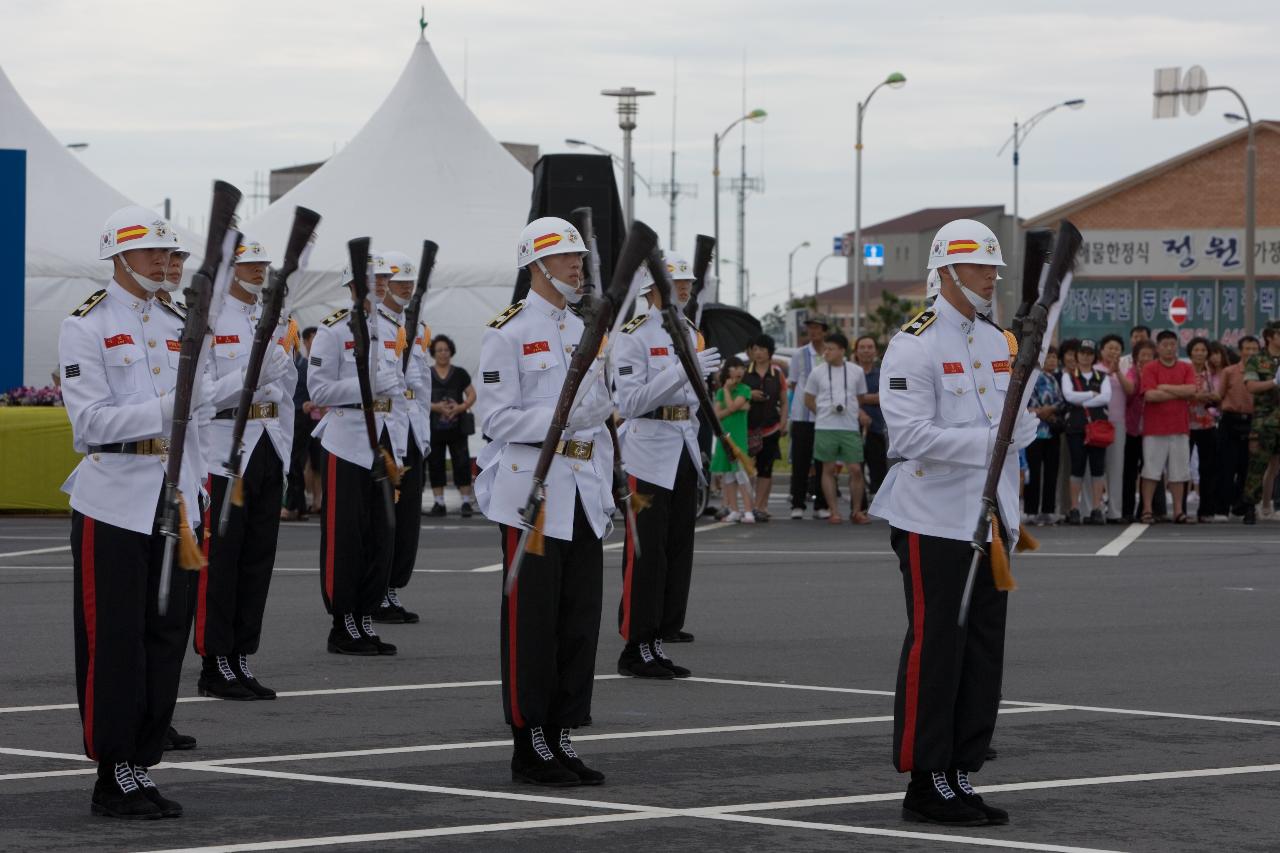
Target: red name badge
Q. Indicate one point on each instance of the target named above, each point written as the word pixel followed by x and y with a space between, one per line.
pixel 226 339
pixel 389 344
pixel 658 351
pixel 537 347
pixel 117 340
pixel 1000 366
pixel 950 367
pixel 174 346
pixel 349 345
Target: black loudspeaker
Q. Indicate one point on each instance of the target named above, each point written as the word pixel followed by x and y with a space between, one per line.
pixel 562 182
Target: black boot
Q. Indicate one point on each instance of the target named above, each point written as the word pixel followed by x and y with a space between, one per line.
pixel 218 680
pixel 366 628
pixel 437 510
pixel 466 511
pixel 1250 514
pixel 563 748
pixel 387 613
pixel 345 638
pixel 118 794
pixel 408 617
pixel 960 784
pixel 173 740
pixel 240 663
pixel 678 637
pixel 672 667
pixel 167 807
pixel 931 799
pixel 637 660
pixel 534 762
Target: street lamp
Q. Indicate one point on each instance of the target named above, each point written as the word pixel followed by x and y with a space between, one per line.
pixel 614 157
pixel 754 115
pixel 893 81
pixel 1019 135
pixel 1250 220
pixel 816 270
pixel 791 256
pixel 627 122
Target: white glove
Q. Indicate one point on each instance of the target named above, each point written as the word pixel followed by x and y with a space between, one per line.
pixel 709 360
pixel 166 410
pixel 591 412
pixel 386 380
pixel 204 390
pixel 275 366
pixel 1024 431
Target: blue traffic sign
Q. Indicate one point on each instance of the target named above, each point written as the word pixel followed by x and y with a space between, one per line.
pixel 873 255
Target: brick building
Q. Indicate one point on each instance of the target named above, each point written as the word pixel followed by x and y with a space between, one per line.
pixel 1177 229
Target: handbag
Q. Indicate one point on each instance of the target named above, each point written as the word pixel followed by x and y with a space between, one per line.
pixel 1099 433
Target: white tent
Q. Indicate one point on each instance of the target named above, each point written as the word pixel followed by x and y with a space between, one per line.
pixel 66 206
pixel 422 167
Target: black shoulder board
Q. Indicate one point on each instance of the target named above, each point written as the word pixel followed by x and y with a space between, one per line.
pixel 336 317
pixel 88 304
pixel 920 322
pixel 511 311
pixel 180 313
pixel 634 323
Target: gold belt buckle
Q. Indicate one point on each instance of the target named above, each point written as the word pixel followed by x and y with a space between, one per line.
pixel 382 404
pixel 153 447
pixel 577 449
pixel 258 411
pixel 408 394
pixel 675 413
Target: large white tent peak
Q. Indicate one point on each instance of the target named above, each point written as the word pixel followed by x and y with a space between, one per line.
pixel 422 167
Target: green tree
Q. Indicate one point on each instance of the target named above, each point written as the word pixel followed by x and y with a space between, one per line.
pixel 888 315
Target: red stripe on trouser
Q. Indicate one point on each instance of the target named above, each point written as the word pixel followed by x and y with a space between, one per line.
pixel 517 719
pixel 89 597
pixel 203 591
pixel 330 525
pixel 906 754
pixel 628 571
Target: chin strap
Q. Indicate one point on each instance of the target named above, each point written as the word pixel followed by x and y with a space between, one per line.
pixel 980 304
pixel 568 291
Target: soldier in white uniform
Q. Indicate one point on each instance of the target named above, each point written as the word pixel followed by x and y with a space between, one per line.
pixel 233 589
pixel 943 382
pixel 413 432
pixel 119 356
pixel 356 538
pixel 551 618
pixel 663 461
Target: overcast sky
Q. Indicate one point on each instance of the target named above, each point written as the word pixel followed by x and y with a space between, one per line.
pixel 170 96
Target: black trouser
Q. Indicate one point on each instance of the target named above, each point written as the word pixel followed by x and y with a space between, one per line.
pixel 550 627
pixel 944 710
pixel 1233 459
pixel 875 450
pixel 408 517
pixel 1205 444
pixel 355 540
pixel 1081 453
pixel 455 443
pixel 1043 456
pixel 295 495
pixel 655 582
pixel 128 656
pixel 801 461
pixel 233 589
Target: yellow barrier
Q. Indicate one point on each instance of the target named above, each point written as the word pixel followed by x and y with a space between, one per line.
pixel 36 456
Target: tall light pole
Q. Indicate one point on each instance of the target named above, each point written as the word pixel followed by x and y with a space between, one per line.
pixel 627 122
pixel 614 157
pixel 893 81
pixel 754 115
pixel 816 270
pixel 1016 139
pixel 790 257
pixel 1194 90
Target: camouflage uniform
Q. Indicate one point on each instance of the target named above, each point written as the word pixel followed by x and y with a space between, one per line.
pixel 1264 437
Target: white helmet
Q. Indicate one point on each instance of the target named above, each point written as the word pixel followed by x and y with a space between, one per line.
pixel 135 227
pixel 678 268
pixel 377 266
pixel 964 241
pixel 250 251
pixel 645 278
pixel 549 235
pixel 402 269
pixel 933 285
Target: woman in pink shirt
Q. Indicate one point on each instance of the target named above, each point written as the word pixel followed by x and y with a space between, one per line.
pixel 1204 423
pixel 1109 351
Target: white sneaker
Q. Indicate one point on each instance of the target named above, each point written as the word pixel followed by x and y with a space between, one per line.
pixel 733 517
pixel 1219 519
pixel 797 513
pixel 822 514
pixel 1265 510
pixel 748 517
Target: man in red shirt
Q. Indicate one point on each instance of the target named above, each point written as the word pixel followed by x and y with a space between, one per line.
pixel 1166 425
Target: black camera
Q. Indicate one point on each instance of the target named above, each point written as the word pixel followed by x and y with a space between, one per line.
pixel 839 408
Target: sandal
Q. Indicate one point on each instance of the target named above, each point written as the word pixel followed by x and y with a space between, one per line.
pixel 1147 518
pixel 835 519
pixel 860 517
pixel 1183 518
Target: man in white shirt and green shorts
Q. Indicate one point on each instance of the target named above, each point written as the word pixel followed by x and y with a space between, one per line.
pixel 832 392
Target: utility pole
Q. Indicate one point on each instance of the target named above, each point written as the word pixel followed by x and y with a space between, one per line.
pixel 627 122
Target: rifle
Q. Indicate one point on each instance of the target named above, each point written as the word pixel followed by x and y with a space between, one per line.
pixel 703 249
pixel 1039 243
pixel 414 311
pixel 304 227
pixel 1034 326
pixel 359 322
pixel 173 516
pixel 641 241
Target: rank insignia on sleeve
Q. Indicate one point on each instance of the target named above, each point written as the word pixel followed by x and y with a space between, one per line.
pixel 315 361
pixel 71 371
pixel 625 370
pixel 897 383
pixel 490 377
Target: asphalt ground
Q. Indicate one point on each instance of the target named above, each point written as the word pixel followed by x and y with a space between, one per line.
pixel 1141 714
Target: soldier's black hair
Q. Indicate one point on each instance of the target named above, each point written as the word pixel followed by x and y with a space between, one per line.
pixel 838 339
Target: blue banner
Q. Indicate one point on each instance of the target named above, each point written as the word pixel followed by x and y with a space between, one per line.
pixel 13 266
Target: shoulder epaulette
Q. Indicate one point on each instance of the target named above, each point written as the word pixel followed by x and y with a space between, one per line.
pixel 634 323
pixel 180 313
pixel 392 320
pixel 336 317
pixel 89 304
pixel 511 311
pixel 1009 336
pixel 920 322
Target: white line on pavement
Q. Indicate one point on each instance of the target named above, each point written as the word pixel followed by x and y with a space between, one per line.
pixel 34 551
pixel 1127 537
pixel 612 546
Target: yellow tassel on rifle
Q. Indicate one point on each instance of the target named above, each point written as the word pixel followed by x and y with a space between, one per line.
pixel 401 341
pixel 394 471
pixel 190 554
pixel 425 340
pixel 290 339
pixel 639 502
pixel 743 459
pixel 1026 542
pixel 1000 571
pixel 237 492
pixel 535 545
